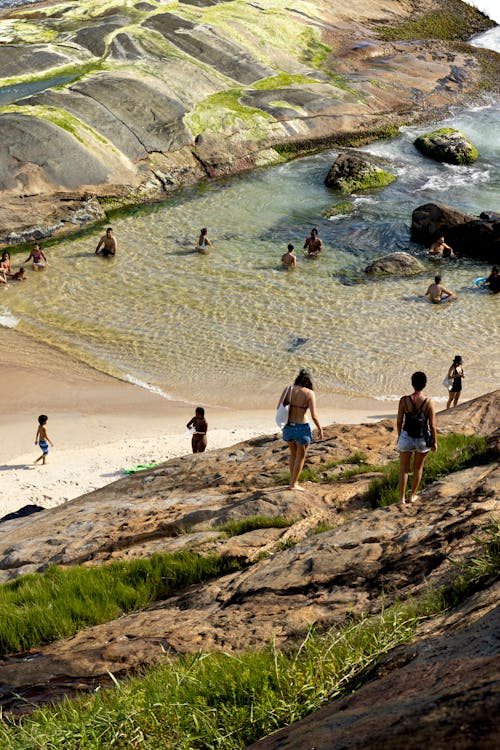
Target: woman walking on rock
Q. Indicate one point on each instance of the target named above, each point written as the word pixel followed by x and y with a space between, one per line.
pixel 297 431
pixel 416 435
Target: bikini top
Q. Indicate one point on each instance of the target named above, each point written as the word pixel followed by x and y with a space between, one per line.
pixel 296 406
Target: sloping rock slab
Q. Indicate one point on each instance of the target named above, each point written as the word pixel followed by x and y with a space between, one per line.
pixel 442 691
pixel 203 44
pixel 19 60
pixel 35 154
pixel 153 116
pixel 93 38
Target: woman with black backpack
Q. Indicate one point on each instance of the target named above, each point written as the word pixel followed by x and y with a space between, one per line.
pixel 416 435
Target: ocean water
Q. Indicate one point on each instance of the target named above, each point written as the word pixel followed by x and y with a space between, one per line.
pixel 230 328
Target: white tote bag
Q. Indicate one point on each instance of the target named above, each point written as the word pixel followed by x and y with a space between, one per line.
pixel 283 411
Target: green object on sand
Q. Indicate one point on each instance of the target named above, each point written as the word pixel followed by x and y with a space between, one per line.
pixel 140 467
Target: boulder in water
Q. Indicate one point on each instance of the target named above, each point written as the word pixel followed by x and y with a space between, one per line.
pixel 397 264
pixel 350 173
pixel 448 145
pixel 476 237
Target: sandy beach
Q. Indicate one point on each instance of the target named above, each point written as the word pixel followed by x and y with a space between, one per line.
pixel 100 426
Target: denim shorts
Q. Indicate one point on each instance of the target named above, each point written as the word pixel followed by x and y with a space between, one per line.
pixel 407 443
pixel 298 432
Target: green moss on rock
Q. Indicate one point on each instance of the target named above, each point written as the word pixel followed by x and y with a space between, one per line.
pixel 447 145
pixel 446 24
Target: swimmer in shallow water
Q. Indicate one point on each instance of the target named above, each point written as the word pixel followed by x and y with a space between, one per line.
pixel 289 259
pixel 108 243
pixel 203 242
pixel 439 248
pixel 437 293
pixel 37 257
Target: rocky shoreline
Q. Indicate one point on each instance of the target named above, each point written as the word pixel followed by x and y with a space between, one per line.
pixel 149 101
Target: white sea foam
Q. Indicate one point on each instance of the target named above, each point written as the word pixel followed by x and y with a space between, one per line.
pixel 459 176
pixel 7 320
pixel 147 386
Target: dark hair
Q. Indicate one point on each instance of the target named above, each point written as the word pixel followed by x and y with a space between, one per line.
pixel 314 230
pixel 457 360
pixel 5 255
pixel 200 410
pixel 304 379
pixel 290 247
pixel 37 244
pixel 204 230
pixel 437 279
pixel 42 419
pixel 109 229
pixel 419 380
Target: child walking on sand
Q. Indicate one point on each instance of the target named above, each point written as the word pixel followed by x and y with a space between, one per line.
pixel 42 439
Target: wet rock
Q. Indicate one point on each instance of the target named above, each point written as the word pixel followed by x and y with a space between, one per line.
pixel 471 236
pixel 397 264
pixel 447 145
pixel 350 174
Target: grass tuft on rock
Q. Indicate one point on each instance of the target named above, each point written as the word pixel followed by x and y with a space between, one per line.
pixel 39 608
pixel 252 523
pixel 229 701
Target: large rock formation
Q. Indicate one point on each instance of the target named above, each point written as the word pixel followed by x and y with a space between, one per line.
pixel 447 145
pixel 350 173
pixel 127 104
pixel 476 237
pixel 368 558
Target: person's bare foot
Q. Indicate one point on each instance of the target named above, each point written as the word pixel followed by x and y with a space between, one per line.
pixel 296 487
pixel 414 499
pixel 402 502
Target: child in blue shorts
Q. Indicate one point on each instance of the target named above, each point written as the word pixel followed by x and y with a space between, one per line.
pixel 42 439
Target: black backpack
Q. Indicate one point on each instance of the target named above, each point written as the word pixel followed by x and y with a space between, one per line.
pixel 416 421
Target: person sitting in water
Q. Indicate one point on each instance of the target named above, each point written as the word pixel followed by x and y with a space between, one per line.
pixel 37 257
pixel 440 248
pixel 5 264
pixel 493 281
pixel 313 244
pixel 437 293
pixel 289 259
pixel 203 241
pixel 108 243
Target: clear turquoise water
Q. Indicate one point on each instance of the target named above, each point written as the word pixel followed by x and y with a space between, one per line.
pixel 231 327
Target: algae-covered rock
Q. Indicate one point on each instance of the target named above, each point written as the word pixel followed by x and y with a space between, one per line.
pixel 447 145
pixel 351 174
pixel 400 264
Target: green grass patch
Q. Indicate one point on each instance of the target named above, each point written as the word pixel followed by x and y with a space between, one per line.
pixel 444 24
pixel 229 701
pixel 282 79
pixel 455 452
pixel 242 526
pixel 223 110
pixel 38 608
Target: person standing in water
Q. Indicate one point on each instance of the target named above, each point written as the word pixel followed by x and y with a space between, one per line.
pixel 203 242
pixel 297 432
pixel 289 259
pixel 313 244
pixel 37 258
pixel 42 439
pixel 108 243
pixel 199 427
pixel 455 373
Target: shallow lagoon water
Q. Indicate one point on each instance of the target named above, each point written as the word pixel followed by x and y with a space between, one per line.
pixel 232 327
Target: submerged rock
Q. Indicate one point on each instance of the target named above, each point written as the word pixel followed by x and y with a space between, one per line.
pixel 350 173
pixel 400 264
pixel 447 145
